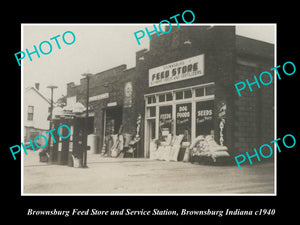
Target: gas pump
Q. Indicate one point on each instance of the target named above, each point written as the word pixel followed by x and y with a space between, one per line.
pixel 63 145
pixel 71 145
pixel 76 143
pixel 53 153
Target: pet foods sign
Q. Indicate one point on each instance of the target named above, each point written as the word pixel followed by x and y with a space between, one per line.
pixel 177 71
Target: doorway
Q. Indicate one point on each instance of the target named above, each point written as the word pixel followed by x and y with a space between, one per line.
pixel 113 120
pixel 150 135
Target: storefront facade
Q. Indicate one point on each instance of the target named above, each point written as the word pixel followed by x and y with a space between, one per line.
pixel 111 104
pixel 188 77
pixel 184 86
pixel 187 111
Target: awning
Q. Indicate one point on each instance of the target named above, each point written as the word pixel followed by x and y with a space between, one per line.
pixel 76 109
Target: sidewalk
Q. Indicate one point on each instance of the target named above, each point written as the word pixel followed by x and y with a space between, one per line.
pixel 144 176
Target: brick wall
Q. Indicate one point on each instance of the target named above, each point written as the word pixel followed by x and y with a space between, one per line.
pixel 254 111
pixel 249 119
pixel 217 44
pixel 111 81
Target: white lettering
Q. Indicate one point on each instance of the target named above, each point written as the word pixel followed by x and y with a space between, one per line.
pixel 204 112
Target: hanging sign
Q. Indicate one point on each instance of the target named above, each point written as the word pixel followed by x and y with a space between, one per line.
pixel 222 121
pixel 177 71
pixel 127 95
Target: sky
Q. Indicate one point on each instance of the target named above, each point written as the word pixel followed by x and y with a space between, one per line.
pixel 96 48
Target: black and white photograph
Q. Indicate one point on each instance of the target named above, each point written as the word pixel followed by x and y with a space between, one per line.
pixel 162 117
pixel 169 114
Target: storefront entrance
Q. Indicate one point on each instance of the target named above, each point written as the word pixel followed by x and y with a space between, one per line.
pixel 150 134
pixel 113 120
pixel 187 113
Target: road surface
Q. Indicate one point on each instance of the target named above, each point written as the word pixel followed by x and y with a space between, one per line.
pixel 144 176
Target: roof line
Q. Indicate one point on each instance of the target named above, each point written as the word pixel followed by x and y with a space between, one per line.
pixel 37 91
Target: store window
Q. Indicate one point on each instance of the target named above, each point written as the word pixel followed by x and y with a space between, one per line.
pixel 188 94
pixel 151 112
pixel 151 99
pixel 162 98
pixel 204 118
pixel 210 90
pixel 183 120
pixel 199 92
pixel 165 122
pixel 30 111
pixel 179 95
pixel 169 97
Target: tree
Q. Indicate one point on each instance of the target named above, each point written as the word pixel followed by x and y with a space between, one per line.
pixel 62 101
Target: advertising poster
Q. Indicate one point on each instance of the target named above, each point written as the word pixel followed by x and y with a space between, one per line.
pixel 165 120
pixel 128 95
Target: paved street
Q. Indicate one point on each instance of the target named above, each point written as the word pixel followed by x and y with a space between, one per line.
pixel 144 176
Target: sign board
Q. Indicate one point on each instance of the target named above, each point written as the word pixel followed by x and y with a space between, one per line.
pixel 177 71
pixel 222 120
pixel 111 104
pixel 99 97
pixel 127 95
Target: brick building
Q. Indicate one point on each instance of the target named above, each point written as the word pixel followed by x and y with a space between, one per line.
pixel 179 98
pixel 111 102
pixel 184 84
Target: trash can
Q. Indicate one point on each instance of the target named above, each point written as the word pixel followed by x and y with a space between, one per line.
pixel 43 155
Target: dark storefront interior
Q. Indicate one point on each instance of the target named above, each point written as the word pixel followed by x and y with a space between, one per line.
pixel 113 120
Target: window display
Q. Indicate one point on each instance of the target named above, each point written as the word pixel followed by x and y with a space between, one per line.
pixel 165 121
pixel 183 120
pixel 180 116
pixel 204 118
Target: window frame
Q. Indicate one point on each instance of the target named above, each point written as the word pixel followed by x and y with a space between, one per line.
pixel 30 114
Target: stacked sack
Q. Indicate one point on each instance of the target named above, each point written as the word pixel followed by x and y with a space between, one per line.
pixel 205 147
pixel 167 150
